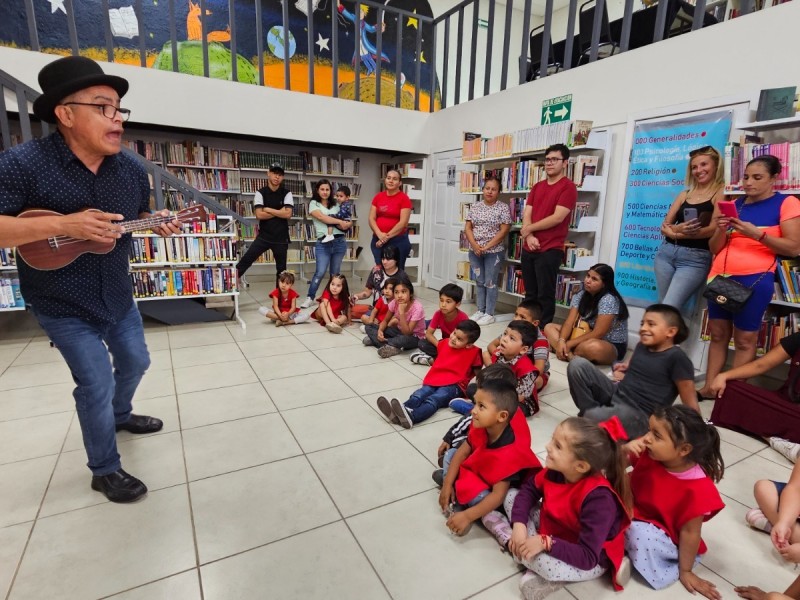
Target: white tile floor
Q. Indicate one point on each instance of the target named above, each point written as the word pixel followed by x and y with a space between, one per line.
pixel 276 477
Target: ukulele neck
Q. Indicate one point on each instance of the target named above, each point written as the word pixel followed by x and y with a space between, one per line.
pixel 147 223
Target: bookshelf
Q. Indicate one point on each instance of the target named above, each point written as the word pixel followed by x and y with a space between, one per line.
pixel 199 263
pixel 413 174
pixel 10 296
pixel 517 159
pixel 235 176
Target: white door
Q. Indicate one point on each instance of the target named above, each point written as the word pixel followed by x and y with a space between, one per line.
pixel 443 218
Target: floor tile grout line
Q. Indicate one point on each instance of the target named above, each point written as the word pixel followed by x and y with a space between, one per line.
pixel 136 587
pixel 38 510
pixel 186 473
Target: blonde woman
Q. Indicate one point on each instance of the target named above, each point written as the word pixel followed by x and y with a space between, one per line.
pixel 683 259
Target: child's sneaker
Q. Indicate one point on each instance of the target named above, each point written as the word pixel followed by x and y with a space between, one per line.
pixel 301 317
pixel 386 410
pixel 438 477
pixel 786 448
pixel 624 572
pixel 327 238
pixel 363 328
pixel 461 405
pixel 497 524
pixel 263 310
pixel 307 302
pixel 758 520
pixel 333 327
pixel 476 315
pixel 419 358
pixel 536 587
pixel 485 320
pixel 366 341
pixel 401 412
pixel 388 351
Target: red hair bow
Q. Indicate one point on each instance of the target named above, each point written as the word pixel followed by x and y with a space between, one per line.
pixel 615 430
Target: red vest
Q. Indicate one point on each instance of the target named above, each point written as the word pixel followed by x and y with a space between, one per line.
pixel 561 509
pixel 668 502
pixel 486 466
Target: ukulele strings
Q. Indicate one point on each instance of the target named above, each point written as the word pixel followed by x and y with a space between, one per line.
pixel 128 226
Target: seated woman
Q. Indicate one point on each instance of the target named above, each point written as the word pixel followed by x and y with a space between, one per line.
pixel 599 306
pixel 754 410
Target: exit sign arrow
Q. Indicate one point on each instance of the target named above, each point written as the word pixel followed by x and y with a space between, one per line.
pixel 556 109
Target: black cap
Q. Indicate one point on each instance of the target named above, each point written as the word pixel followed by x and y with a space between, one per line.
pixel 66 76
pixel 276 168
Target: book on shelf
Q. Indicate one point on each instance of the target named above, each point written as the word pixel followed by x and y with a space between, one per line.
pixel 152 283
pixel 464 210
pixel 578 167
pixel 581 210
pixel 264 160
pixel 7 257
pixel 738 154
pixel 10 295
pixel 516 207
pixel 463 242
pixel 787 285
pixel 181 250
pixel 514 249
pixel 579 133
pixel 403 168
pixel 208 179
pixel 464 271
pixel 511 280
pixel 471 146
pixel 572 252
pixel 566 287
pixel 776 103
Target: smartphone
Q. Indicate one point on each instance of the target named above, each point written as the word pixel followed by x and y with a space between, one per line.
pixel 728 209
pixel 689 214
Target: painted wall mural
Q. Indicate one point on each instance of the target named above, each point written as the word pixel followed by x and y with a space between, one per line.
pixel 153 24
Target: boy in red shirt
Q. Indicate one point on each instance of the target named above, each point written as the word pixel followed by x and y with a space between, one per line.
pixel 459 359
pixel 446 319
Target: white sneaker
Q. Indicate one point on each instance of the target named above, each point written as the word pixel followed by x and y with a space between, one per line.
pixel 788 449
pixel 307 302
pixel 485 320
pixel 363 329
pixel 263 310
pixel 476 315
pixel 301 317
pixel 327 238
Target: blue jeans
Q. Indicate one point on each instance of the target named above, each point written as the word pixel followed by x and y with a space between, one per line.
pixel 423 403
pixel 486 268
pixel 401 242
pixel 104 388
pixel 680 272
pixel 330 255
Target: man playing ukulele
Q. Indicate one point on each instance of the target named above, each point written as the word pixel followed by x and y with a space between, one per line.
pixel 86 308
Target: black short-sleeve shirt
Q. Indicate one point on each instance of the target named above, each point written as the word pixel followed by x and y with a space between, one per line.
pixel 45 173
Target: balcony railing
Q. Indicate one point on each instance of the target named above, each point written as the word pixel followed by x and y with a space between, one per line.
pixel 399 57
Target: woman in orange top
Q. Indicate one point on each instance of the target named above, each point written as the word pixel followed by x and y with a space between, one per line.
pixel 746 248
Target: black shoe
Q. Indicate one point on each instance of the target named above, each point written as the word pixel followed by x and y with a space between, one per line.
pixel 438 477
pixel 141 424
pixel 119 486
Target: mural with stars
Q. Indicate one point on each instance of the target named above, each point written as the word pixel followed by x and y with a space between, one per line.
pixel 153 25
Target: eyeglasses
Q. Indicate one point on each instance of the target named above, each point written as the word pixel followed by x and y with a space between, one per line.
pixel 552 160
pixel 109 110
pixel 703 150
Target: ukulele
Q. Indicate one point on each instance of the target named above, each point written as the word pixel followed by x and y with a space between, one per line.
pixel 59 251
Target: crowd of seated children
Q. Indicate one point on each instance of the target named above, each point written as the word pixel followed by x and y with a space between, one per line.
pixel 657 371
pixel 457 361
pixel 445 319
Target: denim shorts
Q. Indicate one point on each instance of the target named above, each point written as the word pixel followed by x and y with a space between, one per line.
pixel 749 318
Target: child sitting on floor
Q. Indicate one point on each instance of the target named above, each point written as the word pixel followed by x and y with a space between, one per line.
pixel 345 211
pixel 410 325
pixel 776 501
pixel 675 466
pixel 458 361
pixel 334 307
pixel 655 374
pixel 284 303
pixel 578 533
pixel 497 451
pixel 446 319
pixel 457 434
pixel 378 312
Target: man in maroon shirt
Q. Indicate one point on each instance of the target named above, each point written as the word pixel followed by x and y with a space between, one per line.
pixel 545 223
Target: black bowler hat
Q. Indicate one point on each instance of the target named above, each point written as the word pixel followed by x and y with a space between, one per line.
pixel 66 76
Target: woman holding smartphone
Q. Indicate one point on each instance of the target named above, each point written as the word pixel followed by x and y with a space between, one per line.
pixel 746 247
pixel 683 259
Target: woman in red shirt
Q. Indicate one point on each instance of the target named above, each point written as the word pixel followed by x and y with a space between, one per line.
pixel 388 219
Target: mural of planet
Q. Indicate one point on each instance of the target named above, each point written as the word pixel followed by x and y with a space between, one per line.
pixel 275 42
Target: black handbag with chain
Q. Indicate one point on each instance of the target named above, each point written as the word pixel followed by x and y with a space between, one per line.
pixel 726 292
